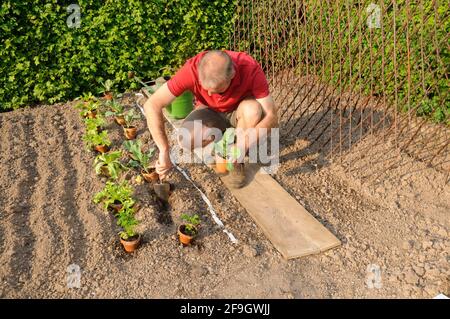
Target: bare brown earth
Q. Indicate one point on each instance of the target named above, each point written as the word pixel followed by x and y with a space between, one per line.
pixel 48 221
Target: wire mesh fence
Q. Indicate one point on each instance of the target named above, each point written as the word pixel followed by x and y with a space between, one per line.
pixel 364 78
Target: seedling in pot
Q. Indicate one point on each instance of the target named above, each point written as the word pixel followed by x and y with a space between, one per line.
pixel 99 141
pixel 86 97
pixel 109 164
pixel 117 110
pixel 129 238
pixel 226 152
pixel 141 160
pixel 88 108
pixel 107 90
pixel 115 196
pixel 129 130
pixel 95 124
pixel 189 230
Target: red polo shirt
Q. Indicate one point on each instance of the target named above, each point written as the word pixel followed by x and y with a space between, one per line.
pixel 249 81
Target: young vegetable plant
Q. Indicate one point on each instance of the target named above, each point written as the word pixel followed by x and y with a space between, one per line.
pixel 109 164
pixel 129 238
pixel 86 97
pixel 107 90
pixel 88 108
pixel 115 196
pixel 226 152
pixel 141 160
pixel 130 131
pixel 117 110
pixel 95 124
pixel 99 141
pixel 188 230
pixel 94 136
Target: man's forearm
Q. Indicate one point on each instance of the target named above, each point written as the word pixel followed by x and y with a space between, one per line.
pixel 155 122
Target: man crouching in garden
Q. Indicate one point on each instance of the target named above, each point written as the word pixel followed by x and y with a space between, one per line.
pixel 230 89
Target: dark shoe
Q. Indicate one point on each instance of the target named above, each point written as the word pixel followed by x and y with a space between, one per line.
pixel 236 176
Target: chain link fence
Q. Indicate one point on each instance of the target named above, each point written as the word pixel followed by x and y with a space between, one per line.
pixel 360 81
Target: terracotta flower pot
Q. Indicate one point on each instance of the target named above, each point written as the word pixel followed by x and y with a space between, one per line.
pixel 101 148
pixel 130 132
pixel 184 238
pixel 151 177
pixel 120 120
pixel 108 96
pixel 91 114
pixel 221 165
pixel 131 245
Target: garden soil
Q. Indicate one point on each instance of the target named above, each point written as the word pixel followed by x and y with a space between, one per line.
pixel 399 224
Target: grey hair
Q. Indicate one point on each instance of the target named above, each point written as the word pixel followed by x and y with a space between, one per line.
pixel 216 74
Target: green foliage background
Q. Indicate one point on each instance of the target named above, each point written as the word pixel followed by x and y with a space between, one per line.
pixel 43 60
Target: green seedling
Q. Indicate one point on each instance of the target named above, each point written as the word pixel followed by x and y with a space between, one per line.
pixel 130 117
pixel 191 223
pixel 109 161
pixel 128 222
pixel 140 160
pixel 113 193
pixel 226 149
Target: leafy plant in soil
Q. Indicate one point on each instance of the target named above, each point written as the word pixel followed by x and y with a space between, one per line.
pixel 140 160
pixel 129 238
pixel 128 222
pixel 188 230
pixel 86 97
pixel 226 152
pixel 130 130
pixel 88 108
pixel 95 124
pixel 115 194
pixel 130 117
pixel 191 223
pixel 117 110
pixel 95 139
pixel 107 89
pixel 109 164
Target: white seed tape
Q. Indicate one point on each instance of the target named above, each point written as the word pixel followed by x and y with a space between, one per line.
pixel 210 207
pixel 203 196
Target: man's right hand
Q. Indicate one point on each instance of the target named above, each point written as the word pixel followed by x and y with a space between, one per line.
pixel 163 165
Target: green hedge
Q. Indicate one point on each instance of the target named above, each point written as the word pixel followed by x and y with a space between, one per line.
pixel 43 60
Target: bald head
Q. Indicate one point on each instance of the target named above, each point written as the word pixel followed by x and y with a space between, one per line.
pixel 216 71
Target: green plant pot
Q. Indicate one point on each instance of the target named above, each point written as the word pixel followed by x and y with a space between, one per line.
pixel 181 106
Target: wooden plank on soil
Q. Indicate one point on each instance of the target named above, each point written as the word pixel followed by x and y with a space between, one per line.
pixel 289 226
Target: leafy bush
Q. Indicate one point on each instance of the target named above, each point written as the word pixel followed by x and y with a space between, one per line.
pixel 43 60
